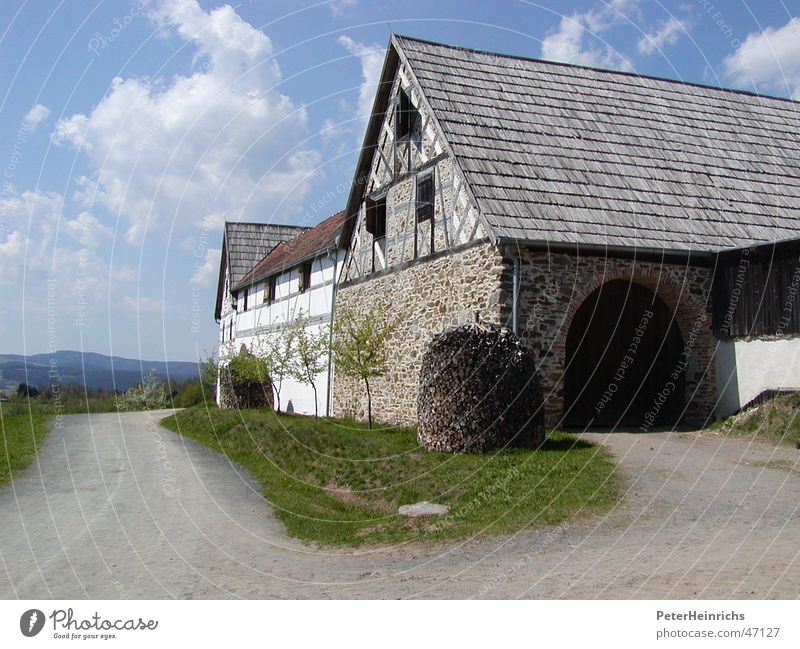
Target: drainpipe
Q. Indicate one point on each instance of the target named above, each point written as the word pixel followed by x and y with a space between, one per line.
pixel 514 293
pixel 328 396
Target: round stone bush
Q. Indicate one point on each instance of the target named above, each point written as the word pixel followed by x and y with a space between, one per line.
pixel 478 390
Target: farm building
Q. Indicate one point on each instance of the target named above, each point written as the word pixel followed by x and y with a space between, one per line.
pixel 600 215
pixel 270 275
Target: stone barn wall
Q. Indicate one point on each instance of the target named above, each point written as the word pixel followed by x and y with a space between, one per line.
pixel 553 287
pixel 433 293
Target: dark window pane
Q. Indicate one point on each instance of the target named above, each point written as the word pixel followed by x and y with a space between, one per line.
pixel 406 116
pixel 425 198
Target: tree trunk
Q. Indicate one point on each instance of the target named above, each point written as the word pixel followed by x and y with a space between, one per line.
pixel 316 407
pixel 369 403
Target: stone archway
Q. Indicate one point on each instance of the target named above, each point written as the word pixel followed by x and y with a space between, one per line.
pixel 623 359
pixel 684 290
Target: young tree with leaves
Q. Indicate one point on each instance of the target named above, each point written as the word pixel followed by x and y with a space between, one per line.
pixel 359 345
pixel 310 352
pixel 276 351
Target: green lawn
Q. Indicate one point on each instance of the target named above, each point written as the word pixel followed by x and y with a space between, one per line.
pixel 775 421
pixel 21 434
pixel 335 482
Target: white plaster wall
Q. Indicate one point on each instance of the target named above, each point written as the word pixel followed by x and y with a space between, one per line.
pixel 256 326
pixel 745 368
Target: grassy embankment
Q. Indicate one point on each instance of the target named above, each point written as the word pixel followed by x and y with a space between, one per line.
pixel 775 421
pixel 21 434
pixel 335 482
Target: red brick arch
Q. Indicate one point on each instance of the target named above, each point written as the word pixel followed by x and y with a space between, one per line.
pixel 686 307
pixel 669 284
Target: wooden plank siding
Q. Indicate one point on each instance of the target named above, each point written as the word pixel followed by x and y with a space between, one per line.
pixel 755 291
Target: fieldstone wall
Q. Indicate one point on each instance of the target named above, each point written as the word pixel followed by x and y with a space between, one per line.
pixel 434 293
pixel 553 286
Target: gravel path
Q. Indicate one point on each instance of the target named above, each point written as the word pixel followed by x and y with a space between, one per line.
pixel 117 507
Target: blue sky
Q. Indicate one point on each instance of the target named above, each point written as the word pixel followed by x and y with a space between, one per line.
pixel 131 131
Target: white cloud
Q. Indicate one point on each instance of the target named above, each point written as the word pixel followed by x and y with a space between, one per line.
pixel 207 273
pixel 35 116
pixel 43 239
pixel 338 6
pixel 577 39
pixel 371 59
pixel 668 33
pixel 220 139
pixel 769 60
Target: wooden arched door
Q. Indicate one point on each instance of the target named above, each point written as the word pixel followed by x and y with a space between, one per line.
pixel 624 356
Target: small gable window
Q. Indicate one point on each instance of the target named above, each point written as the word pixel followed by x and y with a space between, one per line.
pixel 376 217
pixel 305 277
pixel 405 117
pixel 425 198
pixel 270 289
pixel 246 295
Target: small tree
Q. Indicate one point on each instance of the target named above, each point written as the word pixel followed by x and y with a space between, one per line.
pixel 359 345
pixel 276 351
pixel 247 381
pixel 310 353
pixel 208 372
pixel 25 391
pixel 150 394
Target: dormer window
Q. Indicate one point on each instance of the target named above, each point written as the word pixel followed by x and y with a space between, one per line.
pixel 405 117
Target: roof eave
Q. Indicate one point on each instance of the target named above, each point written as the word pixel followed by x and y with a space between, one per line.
pixel 282 269
pixel 544 244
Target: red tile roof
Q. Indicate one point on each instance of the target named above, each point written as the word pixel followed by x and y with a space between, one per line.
pixel 292 252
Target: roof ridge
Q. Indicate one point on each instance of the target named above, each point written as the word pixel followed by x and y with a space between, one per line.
pixel 277 225
pixel 637 75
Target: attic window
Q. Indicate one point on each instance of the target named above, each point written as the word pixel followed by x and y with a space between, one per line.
pixel 305 277
pixel 425 198
pixel 405 116
pixel 376 217
pixel 269 290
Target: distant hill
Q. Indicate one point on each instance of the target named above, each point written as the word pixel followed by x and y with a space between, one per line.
pixel 96 371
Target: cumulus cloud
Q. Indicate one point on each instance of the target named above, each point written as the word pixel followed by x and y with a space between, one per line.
pixel 578 37
pixel 55 274
pixel 768 60
pixel 44 239
pixel 371 59
pixel 207 273
pixel 668 33
pixel 220 139
pixel 35 116
pixel 338 6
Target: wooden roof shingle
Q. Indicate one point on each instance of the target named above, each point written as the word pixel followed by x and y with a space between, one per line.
pixel 561 153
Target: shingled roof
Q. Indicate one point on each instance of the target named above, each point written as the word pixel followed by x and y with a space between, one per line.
pixel 243 245
pixel 560 153
pixel 303 247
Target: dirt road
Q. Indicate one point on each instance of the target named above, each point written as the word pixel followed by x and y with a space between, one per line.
pixel 117 507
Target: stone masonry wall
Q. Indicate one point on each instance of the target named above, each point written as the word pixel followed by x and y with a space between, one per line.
pixel 553 286
pixel 433 293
